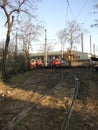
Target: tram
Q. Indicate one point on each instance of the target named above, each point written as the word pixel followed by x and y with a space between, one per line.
pixel 95 59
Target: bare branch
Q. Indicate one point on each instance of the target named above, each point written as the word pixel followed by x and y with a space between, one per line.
pixel 15 10
pixel 18 9
pixel 5 10
pixel 96 6
pixel 21 3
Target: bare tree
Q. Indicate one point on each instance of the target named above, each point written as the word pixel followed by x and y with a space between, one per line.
pixel 28 34
pixel 71 35
pixel 12 8
pixel 62 38
pixel 96 20
pixel 49 46
pixel 2 43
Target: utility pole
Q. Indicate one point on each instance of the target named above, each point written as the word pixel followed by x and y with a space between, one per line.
pixel 15 55
pixel 82 47
pixel 16 44
pixel 90 45
pixel 94 49
pixel 45 47
pixel 62 49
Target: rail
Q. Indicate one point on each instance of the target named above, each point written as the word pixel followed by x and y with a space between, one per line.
pixel 20 116
pixel 67 118
pixel 11 125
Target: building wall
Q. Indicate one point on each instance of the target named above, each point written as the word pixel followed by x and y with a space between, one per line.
pixel 54 55
pixel 82 56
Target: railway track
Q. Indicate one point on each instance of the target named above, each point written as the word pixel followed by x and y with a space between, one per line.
pixel 67 118
pixel 11 125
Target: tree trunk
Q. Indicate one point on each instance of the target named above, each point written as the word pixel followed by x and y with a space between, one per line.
pixel 70 58
pixel 10 24
pixel 28 59
pixel 5 52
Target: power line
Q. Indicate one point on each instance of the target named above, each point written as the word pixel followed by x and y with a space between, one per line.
pixel 82 9
pixel 70 9
pixel 66 16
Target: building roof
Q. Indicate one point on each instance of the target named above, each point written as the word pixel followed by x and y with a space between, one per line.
pixel 49 53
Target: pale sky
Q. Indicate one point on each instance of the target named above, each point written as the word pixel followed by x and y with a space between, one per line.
pixel 55 14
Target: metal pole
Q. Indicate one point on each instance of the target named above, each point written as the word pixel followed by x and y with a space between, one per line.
pixel 16 44
pixel 82 44
pixel 62 49
pixel 94 49
pixel 90 45
pixel 45 47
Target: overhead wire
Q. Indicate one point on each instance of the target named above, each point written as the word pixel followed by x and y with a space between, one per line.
pixel 75 18
pixel 82 9
pixel 66 16
pixel 70 9
pixel 83 6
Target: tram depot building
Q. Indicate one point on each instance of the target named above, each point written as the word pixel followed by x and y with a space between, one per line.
pixel 77 58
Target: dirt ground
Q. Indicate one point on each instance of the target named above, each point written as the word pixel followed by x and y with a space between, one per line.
pixel 23 90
